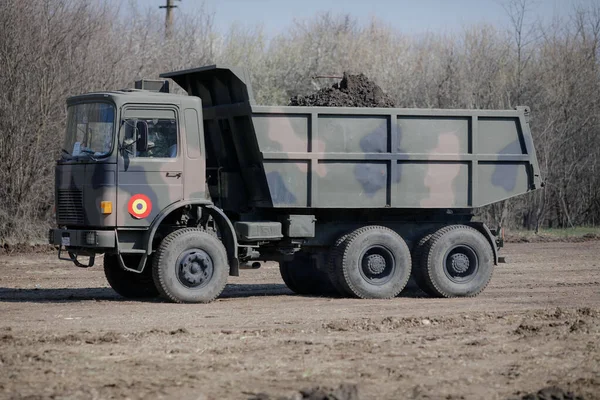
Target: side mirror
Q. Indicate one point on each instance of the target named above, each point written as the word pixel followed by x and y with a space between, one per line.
pixel 142 136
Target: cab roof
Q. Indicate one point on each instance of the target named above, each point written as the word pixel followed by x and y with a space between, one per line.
pixel 131 96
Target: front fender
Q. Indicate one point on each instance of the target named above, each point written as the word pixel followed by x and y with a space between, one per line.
pixel 228 236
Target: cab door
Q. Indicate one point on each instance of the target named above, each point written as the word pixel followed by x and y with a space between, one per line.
pixel 148 181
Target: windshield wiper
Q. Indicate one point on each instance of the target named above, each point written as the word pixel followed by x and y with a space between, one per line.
pixel 90 153
pixel 66 154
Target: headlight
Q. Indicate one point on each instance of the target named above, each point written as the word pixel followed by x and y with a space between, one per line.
pixel 90 238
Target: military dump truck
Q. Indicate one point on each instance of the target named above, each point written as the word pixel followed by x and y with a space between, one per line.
pixel 180 191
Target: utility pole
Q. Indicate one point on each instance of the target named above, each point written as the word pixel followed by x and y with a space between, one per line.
pixel 169 17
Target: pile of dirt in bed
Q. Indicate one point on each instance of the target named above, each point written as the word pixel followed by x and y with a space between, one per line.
pixel 351 91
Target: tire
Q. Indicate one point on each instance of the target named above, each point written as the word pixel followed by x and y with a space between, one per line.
pixel 190 266
pixel 301 276
pixel 417 266
pixel 334 266
pixel 375 264
pixel 128 284
pixel 457 262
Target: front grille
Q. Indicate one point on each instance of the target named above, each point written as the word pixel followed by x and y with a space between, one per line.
pixel 69 210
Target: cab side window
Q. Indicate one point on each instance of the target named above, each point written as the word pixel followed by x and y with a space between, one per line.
pixel 162 137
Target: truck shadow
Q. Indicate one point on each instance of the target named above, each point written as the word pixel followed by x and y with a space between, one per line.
pixel 232 291
pixel 57 295
pixel 61 295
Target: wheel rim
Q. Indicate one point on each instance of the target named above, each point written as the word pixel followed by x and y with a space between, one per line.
pixel 194 268
pixel 461 264
pixel 377 265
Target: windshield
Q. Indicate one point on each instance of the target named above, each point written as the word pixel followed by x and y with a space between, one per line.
pixel 90 128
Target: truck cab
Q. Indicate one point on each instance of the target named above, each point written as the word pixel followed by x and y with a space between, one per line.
pixel 128 155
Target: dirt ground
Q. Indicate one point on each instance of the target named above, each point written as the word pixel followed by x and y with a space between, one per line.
pixel 65 334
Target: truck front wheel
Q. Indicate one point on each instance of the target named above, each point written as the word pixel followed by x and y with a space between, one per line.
pixel 190 266
pixel 457 262
pixel 129 284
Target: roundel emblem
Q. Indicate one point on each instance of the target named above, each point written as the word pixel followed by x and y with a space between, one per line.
pixel 139 206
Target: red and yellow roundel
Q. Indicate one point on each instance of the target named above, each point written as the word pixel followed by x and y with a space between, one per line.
pixel 139 206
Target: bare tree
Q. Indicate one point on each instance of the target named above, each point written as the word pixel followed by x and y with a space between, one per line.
pixel 51 49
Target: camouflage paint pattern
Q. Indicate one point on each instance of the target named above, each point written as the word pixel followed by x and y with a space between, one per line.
pixel 433 183
pixel 398 158
pixel 80 188
pixel 338 157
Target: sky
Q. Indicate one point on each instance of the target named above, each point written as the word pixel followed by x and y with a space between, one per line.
pixel 407 16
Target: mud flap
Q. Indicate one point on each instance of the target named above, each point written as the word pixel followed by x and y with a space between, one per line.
pixel 228 237
pixel 481 227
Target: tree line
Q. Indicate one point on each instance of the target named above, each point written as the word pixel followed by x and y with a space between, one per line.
pixel 52 49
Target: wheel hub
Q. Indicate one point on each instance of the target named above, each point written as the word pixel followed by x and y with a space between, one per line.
pixel 195 268
pixel 375 263
pixel 460 263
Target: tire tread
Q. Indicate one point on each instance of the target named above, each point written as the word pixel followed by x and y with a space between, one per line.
pixel 333 265
pixel 158 261
pixel 418 272
pixel 346 281
pixel 427 260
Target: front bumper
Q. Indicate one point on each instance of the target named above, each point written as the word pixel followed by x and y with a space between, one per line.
pixel 74 238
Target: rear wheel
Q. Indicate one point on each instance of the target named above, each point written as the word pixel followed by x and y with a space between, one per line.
pixel 128 284
pixel 190 266
pixel 417 266
pixel 334 265
pixel 457 262
pixel 375 264
pixel 302 276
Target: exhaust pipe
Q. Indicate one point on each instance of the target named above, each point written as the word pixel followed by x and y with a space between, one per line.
pixel 253 265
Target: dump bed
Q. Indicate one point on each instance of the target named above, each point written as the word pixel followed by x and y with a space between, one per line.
pixel 326 157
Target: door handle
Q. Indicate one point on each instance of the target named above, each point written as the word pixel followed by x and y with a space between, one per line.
pixel 174 175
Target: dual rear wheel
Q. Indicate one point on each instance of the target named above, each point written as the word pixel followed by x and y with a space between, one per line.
pixel 455 261
pixel 374 262
pixel 371 262
pixel 303 275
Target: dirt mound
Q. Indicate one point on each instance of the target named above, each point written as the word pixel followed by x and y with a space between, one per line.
pixel 352 91
pixel 560 323
pixel 343 392
pixel 551 393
